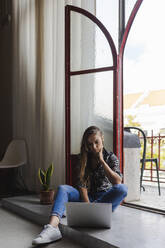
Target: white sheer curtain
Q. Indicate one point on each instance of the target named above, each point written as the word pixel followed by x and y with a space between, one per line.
pixel 82 86
pixel 38 84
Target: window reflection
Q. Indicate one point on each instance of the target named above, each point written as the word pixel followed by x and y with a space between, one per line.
pixel 91 104
pixel 89 47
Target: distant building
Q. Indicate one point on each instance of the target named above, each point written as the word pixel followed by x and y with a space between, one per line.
pixel 148 108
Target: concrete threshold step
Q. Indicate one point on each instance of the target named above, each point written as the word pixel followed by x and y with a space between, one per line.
pixel 131 228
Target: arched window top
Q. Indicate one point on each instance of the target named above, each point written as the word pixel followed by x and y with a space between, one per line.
pixel 93 39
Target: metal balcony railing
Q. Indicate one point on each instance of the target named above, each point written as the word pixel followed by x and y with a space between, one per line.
pixel 155 149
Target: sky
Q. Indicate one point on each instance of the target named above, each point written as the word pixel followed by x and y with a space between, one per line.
pixel 145 51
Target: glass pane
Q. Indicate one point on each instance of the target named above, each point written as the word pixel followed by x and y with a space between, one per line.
pixel 103 98
pixel 129 5
pixel 89 47
pixel 91 104
pixel 107 13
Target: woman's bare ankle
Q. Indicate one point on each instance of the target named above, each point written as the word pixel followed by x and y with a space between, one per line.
pixel 54 221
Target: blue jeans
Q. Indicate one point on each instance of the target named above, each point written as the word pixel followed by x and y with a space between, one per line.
pixel 67 193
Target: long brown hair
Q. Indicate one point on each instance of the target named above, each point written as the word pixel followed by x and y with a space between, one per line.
pixel 85 150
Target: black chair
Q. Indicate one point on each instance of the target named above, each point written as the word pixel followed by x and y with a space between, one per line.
pixel 143 160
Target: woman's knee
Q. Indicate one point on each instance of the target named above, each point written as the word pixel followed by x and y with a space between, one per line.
pixel 66 188
pixel 121 189
pixel 69 191
pixel 63 187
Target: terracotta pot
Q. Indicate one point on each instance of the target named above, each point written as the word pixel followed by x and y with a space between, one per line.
pixel 47 197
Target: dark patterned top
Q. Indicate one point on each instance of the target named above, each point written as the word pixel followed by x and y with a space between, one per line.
pixel 97 179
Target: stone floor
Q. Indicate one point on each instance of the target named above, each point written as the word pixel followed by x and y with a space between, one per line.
pixel 18 232
pixel 150 197
pixel 131 228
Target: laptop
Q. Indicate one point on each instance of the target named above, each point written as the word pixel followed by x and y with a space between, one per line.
pixel 84 214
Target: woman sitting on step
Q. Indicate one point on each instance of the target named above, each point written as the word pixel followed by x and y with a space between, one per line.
pixel 100 170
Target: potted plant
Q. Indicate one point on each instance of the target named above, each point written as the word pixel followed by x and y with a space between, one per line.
pixel 46 194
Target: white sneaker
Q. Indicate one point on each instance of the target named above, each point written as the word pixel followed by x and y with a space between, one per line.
pixel 48 234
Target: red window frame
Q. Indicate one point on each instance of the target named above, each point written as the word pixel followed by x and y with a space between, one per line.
pixel 117 69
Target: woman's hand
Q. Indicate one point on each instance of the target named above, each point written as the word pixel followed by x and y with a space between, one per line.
pixel 100 155
pixel 112 175
pixel 84 194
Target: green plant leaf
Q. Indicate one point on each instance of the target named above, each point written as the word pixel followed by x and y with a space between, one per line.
pixel 41 175
pixel 45 187
pixel 49 173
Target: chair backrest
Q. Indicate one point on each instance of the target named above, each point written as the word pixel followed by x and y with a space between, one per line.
pixel 144 139
pixel 16 154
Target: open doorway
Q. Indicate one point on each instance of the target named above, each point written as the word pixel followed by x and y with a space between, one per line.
pixel 144 94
